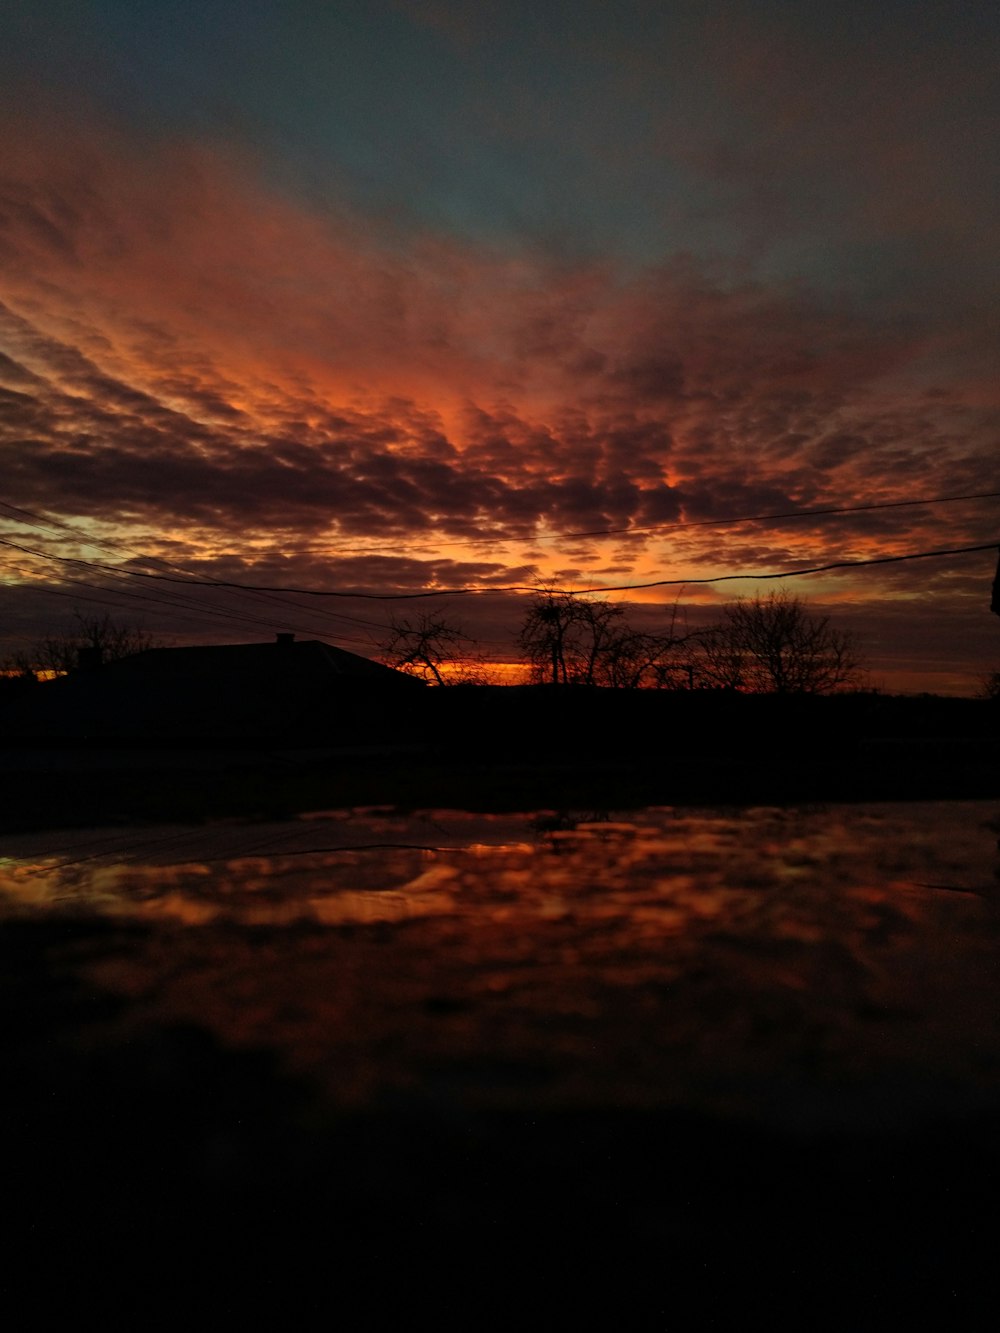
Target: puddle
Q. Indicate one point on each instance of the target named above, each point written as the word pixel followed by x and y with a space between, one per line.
pixel 716 958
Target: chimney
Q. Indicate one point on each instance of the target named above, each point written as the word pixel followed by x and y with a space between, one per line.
pixel 284 639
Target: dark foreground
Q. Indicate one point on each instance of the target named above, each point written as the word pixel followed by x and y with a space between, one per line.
pixel 172 1179
pixel 516 749
pixel 168 1176
pixel 679 1070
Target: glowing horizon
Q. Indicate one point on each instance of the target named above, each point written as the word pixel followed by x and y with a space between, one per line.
pixel 400 330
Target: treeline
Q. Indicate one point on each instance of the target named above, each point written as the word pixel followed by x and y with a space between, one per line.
pixel 92 638
pixel 768 644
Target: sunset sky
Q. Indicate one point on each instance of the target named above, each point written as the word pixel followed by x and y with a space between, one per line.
pixel 394 297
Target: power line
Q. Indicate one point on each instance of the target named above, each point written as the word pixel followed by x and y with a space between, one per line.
pixel 45 524
pixel 789 514
pixel 780 516
pixel 796 573
pixel 180 607
pixel 783 516
pixel 187 606
pixel 479 591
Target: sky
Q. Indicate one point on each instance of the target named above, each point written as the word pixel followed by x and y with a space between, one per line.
pixel 392 297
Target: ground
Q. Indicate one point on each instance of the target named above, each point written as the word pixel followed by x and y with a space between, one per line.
pixel 663 1067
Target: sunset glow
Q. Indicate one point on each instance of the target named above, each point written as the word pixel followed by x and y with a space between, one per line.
pixel 404 298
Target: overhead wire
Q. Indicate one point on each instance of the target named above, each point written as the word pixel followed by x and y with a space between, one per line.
pixel 37 520
pixel 508 588
pixel 786 515
pixel 33 519
pixel 782 516
pixel 183 608
pixel 193 611
pixel 674 525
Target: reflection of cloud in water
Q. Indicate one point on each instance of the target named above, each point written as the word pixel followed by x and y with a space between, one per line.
pixel 663 868
pixel 735 960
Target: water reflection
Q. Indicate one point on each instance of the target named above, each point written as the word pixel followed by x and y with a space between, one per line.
pixel 665 956
pixel 660 867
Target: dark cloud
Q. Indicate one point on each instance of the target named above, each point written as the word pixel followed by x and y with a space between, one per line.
pixel 12 372
pixel 195 364
pixel 91 443
pixel 654 379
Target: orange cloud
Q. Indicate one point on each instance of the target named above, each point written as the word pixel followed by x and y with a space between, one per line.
pixel 190 352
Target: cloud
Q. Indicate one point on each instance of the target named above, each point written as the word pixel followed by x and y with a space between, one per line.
pixel 190 356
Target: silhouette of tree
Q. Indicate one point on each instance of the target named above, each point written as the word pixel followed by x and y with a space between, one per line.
pixel 433 647
pixel 572 640
pixel 16 675
pixel 104 638
pixel 565 637
pixel 775 645
pixel 18 664
pixel 634 660
pixel 629 660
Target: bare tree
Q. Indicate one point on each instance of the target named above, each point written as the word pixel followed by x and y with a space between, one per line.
pixel 573 640
pixel 775 645
pixel 103 637
pixel 18 665
pixel 545 634
pixel 566 638
pixel 630 660
pixel 721 661
pixel 637 660
pixel 433 647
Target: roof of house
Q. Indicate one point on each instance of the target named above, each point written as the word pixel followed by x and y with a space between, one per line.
pixel 275 660
pixel 226 692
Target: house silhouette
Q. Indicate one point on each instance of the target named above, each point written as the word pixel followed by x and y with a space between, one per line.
pixel 285 691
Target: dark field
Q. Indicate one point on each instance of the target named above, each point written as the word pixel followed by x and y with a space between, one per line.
pixel 515 749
